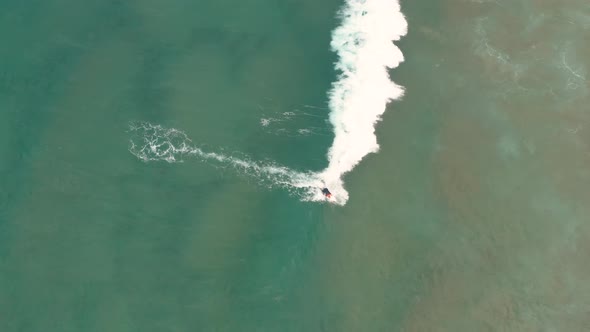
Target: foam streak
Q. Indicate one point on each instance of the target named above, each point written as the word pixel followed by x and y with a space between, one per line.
pixel 156 143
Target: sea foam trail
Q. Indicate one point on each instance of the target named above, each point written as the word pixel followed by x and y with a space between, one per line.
pixel 364 44
pixel 151 142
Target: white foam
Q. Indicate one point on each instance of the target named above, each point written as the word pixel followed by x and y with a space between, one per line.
pixel 364 44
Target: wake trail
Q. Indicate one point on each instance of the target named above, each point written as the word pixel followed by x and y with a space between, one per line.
pixel 151 142
pixel 357 100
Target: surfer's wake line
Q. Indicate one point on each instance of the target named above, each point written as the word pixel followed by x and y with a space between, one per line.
pixel 358 98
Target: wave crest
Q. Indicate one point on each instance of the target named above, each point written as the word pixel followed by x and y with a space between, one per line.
pixel 364 44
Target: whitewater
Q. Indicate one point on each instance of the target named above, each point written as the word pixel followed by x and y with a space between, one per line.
pixel 364 43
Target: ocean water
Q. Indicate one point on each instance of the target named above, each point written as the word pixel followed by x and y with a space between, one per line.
pixel 160 165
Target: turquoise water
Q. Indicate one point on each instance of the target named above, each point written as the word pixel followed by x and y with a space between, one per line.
pixel 471 217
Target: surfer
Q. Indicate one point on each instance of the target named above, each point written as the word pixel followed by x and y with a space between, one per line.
pixel 327 193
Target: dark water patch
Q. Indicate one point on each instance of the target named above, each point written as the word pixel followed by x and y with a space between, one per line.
pixel 148 93
pixel 33 84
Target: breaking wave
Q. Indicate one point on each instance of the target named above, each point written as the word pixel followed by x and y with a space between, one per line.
pixel 364 44
pixel 358 99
